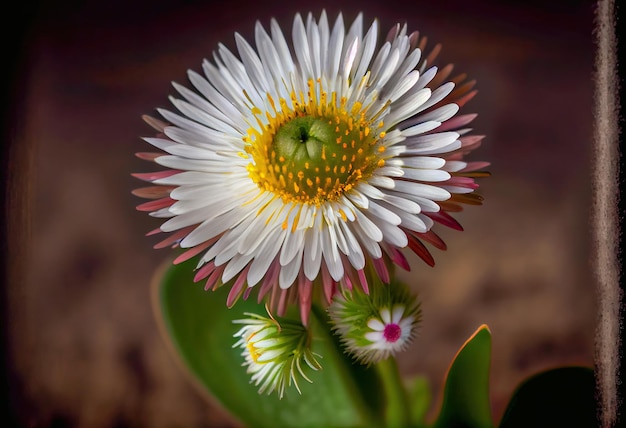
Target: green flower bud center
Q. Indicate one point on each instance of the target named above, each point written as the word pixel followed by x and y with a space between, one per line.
pixel 302 141
pixel 314 152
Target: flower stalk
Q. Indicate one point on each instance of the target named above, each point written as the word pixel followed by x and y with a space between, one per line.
pixel 397 408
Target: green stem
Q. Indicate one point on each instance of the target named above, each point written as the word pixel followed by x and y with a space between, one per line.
pixel 319 322
pixel 397 408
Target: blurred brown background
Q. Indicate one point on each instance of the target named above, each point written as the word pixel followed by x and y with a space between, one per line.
pixel 82 344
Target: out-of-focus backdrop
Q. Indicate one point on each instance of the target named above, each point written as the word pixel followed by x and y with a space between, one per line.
pixel 83 344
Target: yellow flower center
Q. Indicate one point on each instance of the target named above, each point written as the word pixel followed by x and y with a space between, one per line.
pixel 255 353
pixel 314 150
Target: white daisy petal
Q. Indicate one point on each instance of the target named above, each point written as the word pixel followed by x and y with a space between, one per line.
pixel 438 94
pixel 218 104
pixel 352 243
pixel 301 47
pixel 358 198
pixel 203 111
pixel 420 128
pixel 268 54
pixel 192 217
pixel 408 107
pixel 293 243
pixel 392 233
pixel 396 314
pixel 455 145
pixel 221 78
pixel 312 263
pixel 441 114
pixel 203 117
pixel 457 189
pixel 402 203
pixel 382 181
pixel 385 315
pixel 207 230
pixel 433 175
pixel 423 162
pixel 234 266
pixel 427 191
pixel 160 143
pixel 184 178
pixel 375 324
pixel 349 58
pixel 313 36
pixel 454 166
pixel 282 48
pixel 338 237
pixel 289 272
pixel 383 213
pixel 424 143
pixel 369 244
pixel 324 34
pixel 312 253
pixel 427 76
pixel 413 222
pixel 225 249
pixel 346 207
pixel 264 257
pixel 403 87
pixel 368 227
pixel 389 62
pixel 374 336
pixel 367 191
pixel 335 47
pixel 390 171
pixel 331 255
pixel 425 204
pixel 260 228
pixel 426 220
pixel 254 66
pixel 367 50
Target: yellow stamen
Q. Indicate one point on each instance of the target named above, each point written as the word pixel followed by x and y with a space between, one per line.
pixel 321 171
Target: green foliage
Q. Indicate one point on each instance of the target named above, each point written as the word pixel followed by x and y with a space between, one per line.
pixel 200 328
pixel 559 397
pixel 466 390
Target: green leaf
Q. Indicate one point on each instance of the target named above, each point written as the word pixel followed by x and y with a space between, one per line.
pixel 200 329
pixel 559 397
pixel 466 390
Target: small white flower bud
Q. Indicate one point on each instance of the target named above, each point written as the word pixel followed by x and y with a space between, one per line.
pixel 274 352
pixel 377 325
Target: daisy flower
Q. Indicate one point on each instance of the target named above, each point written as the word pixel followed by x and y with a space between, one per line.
pixel 391 330
pixel 275 353
pixel 291 166
pixel 375 326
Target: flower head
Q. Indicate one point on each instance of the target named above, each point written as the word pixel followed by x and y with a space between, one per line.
pixel 275 352
pixel 375 326
pixel 293 166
